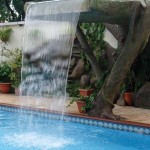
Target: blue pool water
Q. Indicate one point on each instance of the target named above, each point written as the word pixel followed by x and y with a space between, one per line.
pixel 26 132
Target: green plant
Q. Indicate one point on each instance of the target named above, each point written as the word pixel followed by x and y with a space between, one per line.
pixel 4 37
pixel 87 87
pixel 15 80
pixel 5 34
pixel 5 71
pixel 15 61
pixel 98 86
pixel 88 101
pixel 87 65
pixel 94 33
pixel 73 89
pixel 95 36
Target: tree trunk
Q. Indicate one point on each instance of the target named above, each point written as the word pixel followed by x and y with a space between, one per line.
pixel 139 31
pixel 120 33
pixel 88 52
pixel 109 54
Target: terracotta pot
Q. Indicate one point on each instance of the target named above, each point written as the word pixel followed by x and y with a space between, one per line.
pixel 128 98
pixel 5 87
pixel 80 104
pixel 86 92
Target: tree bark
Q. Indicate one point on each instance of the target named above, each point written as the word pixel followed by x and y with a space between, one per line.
pixel 120 33
pixel 109 53
pixel 107 11
pixel 139 31
pixel 88 52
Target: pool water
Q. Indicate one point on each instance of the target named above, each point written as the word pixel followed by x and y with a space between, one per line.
pixel 26 132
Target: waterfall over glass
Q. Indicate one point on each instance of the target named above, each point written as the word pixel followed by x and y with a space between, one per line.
pixel 48 39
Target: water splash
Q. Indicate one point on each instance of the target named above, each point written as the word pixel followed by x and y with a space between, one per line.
pixel 39 141
pixel 48 39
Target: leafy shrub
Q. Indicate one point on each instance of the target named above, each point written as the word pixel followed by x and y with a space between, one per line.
pixel 5 71
pixel 5 34
pixel 15 61
pixel 73 89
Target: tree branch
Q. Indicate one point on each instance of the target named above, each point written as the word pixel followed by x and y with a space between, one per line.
pixel 119 32
pixel 109 55
pixel 134 13
pixel 88 52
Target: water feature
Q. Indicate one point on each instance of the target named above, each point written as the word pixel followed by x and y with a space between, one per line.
pixel 49 34
pixel 48 39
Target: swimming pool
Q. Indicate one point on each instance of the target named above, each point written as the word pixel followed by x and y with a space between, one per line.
pixel 39 132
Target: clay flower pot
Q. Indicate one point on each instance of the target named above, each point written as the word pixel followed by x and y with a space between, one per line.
pixel 86 92
pixel 5 87
pixel 80 105
pixel 128 98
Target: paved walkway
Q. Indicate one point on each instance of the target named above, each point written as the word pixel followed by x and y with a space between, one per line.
pixel 130 113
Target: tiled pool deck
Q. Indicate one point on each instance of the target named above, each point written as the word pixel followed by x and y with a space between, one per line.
pixel 129 113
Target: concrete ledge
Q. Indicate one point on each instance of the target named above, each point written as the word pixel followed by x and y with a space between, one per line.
pixel 12 23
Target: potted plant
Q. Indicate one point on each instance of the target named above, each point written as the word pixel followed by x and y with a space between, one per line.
pixel 128 98
pixel 86 92
pixel 81 106
pixel 81 103
pixel 128 89
pixel 5 80
pixel 128 94
pixel 84 103
pixel 15 61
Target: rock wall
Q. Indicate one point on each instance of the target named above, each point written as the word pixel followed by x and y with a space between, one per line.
pixel 142 99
